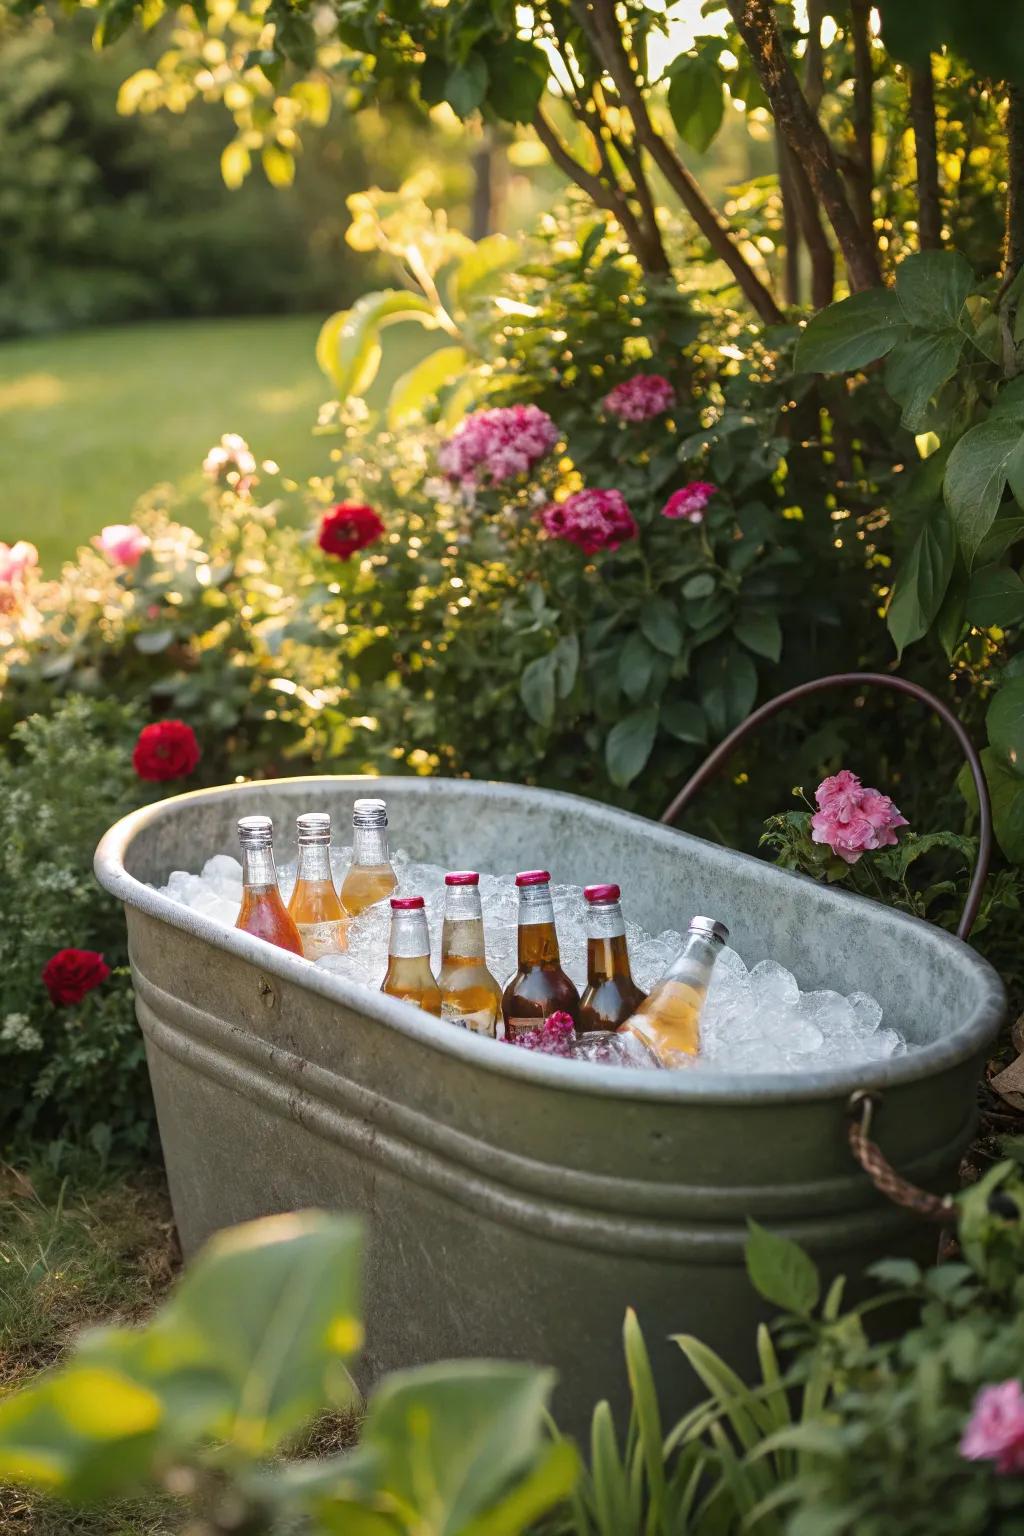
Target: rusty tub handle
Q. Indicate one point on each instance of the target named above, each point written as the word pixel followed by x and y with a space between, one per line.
pixel 860 1109
pixel 726 747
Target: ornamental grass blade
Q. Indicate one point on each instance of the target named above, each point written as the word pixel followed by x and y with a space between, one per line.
pixel 611 1491
pixel 648 1419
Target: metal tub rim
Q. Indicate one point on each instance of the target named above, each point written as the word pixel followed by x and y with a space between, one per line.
pixel 959 1045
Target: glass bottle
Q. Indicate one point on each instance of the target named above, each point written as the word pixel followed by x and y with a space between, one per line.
pixel 370 877
pixel 540 986
pixel 263 912
pixel 408 974
pixel 668 1021
pixel 314 903
pixel 470 996
pixel 611 994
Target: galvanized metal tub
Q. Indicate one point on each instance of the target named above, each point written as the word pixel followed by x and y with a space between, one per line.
pixel 517 1204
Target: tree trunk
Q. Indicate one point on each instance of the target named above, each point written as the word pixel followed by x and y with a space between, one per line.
pixel 863 117
pixel 1013 249
pixel 481 214
pixel 823 263
pixel 922 117
pixel 805 137
pixel 790 222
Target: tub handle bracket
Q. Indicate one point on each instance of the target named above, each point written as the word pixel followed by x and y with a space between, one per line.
pixel 860 1109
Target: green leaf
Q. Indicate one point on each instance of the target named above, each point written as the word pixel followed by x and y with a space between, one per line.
pixel 150 642
pixel 727 679
pixel 567 664
pixel 235 164
pixel 685 721
pixel 629 745
pixel 1005 721
pixel 916 368
pixel 278 165
pixel 1004 533
pixel 852 333
pixel 932 287
pixel 922 580
pixel 902 1272
pixel 645 1409
pixel 517 77
pixel 479 269
pixel 781 1271
pixel 537 688
pixel 976 478
pixel 760 633
pixel 419 384
pixel 995 596
pixel 636 664
pixel 466 85
pixel 659 624
pixel 701 585
pixel 696 101
pixel 348 347
pixel 1006 791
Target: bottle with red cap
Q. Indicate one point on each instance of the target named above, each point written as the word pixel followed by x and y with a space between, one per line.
pixel 408 974
pixel 611 994
pixel 539 987
pixel 470 996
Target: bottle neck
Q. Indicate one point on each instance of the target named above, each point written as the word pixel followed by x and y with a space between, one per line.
pixel 370 846
pixel 314 862
pixel 605 920
pixel 463 931
pixel 538 941
pixel 695 961
pixel 258 868
pixel 410 938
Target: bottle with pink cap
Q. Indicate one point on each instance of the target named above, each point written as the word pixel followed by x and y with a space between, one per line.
pixel 470 996
pixel 408 974
pixel 539 987
pixel 611 995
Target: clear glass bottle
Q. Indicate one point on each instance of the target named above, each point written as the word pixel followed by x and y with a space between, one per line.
pixel 668 1021
pixel 370 877
pixel 314 904
pixel 408 974
pixel 611 994
pixel 539 986
pixel 263 912
pixel 470 996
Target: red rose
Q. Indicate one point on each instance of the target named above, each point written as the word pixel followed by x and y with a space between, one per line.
pixel 348 528
pixel 166 750
pixel 71 973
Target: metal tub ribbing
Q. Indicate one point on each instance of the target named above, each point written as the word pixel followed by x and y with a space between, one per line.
pixel 517 1204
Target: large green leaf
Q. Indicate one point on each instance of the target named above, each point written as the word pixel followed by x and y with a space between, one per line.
pixel 696 101
pixel 932 287
pixel 852 333
pixel 466 85
pixel 760 632
pixel 1006 790
pixel 421 383
pixel 922 580
pixel 537 688
pixel 1005 721
pixel 917 367
pixel 727 679
pixel 685 721
pixel 659 624
pixel 995 596
pixel 629 745
pixel 348 348
pixel 781 1271
pixel 518 73
pixel 976 478
pixel 479 269
pixel 636 666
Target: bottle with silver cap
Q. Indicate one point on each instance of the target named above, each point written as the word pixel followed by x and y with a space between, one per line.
pixel 263 912
pixel 370 877
pixel 408 974
pixel 668 1021
pixel 314 903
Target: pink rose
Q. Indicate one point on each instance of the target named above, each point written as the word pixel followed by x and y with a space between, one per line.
pixel 16 560
pixel 496 445
pixel 640 398
pixel 122 543
pixel 593 520
pixel 995 1429
pixel 853 820
pixel 690 501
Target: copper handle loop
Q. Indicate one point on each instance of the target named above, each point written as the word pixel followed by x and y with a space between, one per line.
pixel 883 1175
pixel 714 761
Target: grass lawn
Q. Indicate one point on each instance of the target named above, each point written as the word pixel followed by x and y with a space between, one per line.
pixel 91 419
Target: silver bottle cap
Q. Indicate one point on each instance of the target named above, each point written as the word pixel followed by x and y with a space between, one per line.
pixel 369 813
pixel 313 827
pixel 710 927
pixel 255 831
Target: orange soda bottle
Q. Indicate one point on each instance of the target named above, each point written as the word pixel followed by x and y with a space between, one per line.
pixel 611 994
pixel 539 987
pixel 408 974
pixel 668 1021
pixel 370 877
pixel 470 996
pixel 262 912
pixel 314 903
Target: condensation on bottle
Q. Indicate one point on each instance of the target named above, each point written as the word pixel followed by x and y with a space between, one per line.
pixel 408 975
pixel 539 987
pixel 262 912
pixel 470 996
pixel 314 904
pixel 370 877
pixel 668 1021
pixel 611 995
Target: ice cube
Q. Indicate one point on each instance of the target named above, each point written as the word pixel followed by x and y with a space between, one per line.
pixel 773 983
pixel 612 1050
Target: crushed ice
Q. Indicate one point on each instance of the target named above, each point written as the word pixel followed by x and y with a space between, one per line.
pixel 756 1020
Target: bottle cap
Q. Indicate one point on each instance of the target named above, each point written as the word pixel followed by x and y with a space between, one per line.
pixel 532 877
pixel 462 877
pixel 255 831
pixel 369 813
pixel 710 927
pixel 313 827
pixel 601 893
pixel 406 903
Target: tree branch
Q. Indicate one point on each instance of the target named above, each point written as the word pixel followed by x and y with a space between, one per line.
pixel 805 136
pixel 602 27
pixel 790 221
pixel 922 117
pixel 823 263
pixel 1013 249
pixel 863 117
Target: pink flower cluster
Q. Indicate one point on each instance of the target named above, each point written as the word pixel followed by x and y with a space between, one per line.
pixel 690 501
pixel 995 1430
pixel 640 398
pixel 498 444
pixel 592 519
pixel 853 820
pixel 16 560
pixel 122 543
pixel 553 1038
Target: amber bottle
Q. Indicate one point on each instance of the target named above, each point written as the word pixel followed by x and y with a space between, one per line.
pixel 408 974
pixel 314 904
pixel 263 912
pixel 611 994
pixel 540 986
pixel 668 1021
pixel 470 996
pixel 370 877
